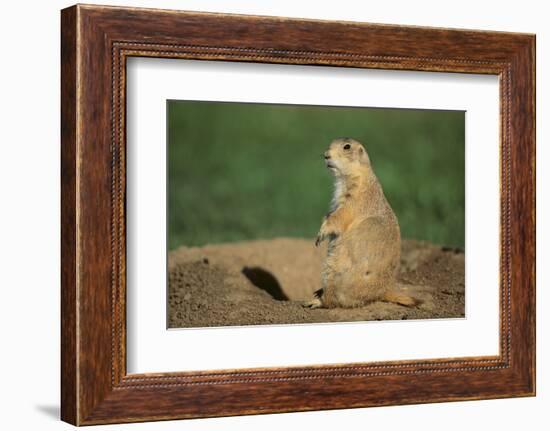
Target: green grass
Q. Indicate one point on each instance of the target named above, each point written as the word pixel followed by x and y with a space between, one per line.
pixel 247 171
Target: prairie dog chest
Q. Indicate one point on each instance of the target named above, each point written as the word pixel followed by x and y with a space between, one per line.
pixel 338 195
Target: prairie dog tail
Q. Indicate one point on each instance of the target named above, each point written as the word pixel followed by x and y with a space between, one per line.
pixel 400 298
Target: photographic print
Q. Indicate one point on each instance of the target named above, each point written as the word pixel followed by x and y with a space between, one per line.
pixel 207 201
pixel 292 214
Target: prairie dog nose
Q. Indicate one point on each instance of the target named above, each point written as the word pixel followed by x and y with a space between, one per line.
pixel 326 155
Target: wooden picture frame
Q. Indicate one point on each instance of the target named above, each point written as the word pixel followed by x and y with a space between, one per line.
pixel 95 43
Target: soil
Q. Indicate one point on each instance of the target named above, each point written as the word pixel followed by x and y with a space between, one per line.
pixel 263 282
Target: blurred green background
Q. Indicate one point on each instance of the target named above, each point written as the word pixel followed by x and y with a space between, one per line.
pixel 241 171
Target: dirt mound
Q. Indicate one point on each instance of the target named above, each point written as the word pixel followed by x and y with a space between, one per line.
pixel 263 282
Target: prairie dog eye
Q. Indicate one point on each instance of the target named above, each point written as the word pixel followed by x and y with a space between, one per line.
pixel 347 147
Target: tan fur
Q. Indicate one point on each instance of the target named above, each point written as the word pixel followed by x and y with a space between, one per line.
pixel 364 237
pixel 400 298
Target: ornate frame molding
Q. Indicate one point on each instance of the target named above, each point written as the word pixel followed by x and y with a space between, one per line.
pixel 96 41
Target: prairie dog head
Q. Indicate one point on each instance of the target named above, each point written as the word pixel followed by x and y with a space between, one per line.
pixel 346 156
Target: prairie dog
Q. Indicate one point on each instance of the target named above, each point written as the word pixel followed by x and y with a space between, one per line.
pixel 364 247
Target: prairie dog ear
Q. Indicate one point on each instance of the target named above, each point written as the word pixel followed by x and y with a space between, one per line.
pixel 363 156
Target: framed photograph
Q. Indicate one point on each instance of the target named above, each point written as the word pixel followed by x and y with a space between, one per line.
pixel 264 214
